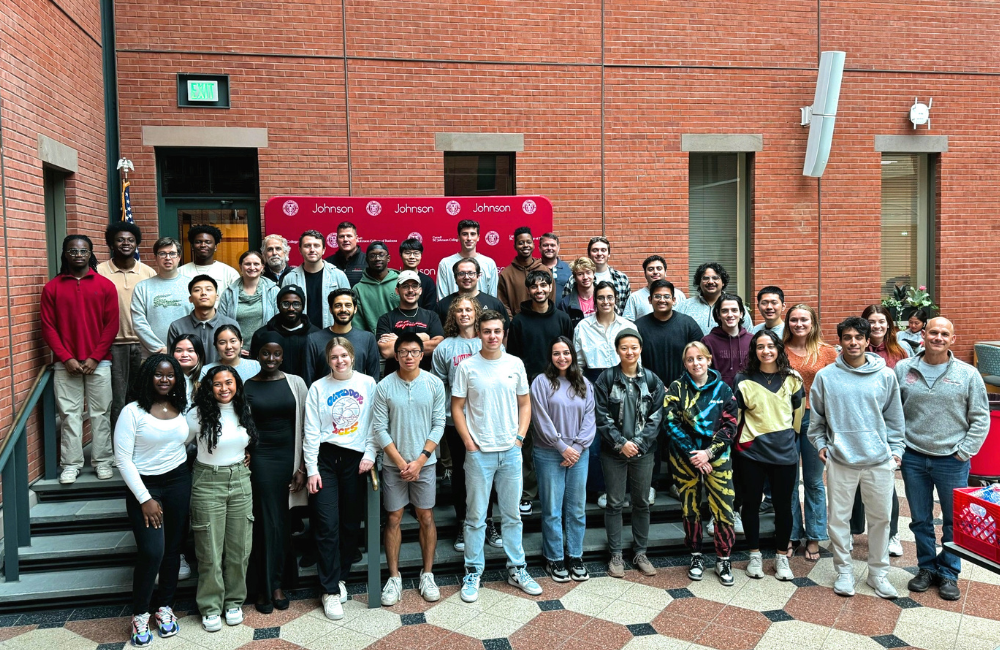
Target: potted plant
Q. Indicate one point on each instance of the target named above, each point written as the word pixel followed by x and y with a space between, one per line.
pixel 906 299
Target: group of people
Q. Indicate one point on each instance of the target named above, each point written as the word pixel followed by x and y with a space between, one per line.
pixel 547 381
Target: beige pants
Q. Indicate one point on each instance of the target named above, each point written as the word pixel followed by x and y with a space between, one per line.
pixel 71 392
pixel 876 484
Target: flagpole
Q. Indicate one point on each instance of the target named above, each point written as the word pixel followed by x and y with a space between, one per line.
pixel 125 166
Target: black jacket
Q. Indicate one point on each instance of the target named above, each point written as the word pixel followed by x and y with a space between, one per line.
pixel 531 334
pixel 609 394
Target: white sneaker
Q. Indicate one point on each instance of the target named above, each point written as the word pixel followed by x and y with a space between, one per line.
pixel 234 616
pixel 104 473
pixel 844 584
pixel 68 475
pixel 184 571
pixel 343 592
pixel 211 623
pixel 602 501
pixel 895 547
pixel 710 527
pixel 738 524
pixel 392 591
pixel 652 496
pixel 332 607
pixel 428 588
pixel 755 568
pixel 883 588
pixel 781 569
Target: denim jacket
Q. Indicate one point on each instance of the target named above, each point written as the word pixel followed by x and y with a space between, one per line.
pixel 609 392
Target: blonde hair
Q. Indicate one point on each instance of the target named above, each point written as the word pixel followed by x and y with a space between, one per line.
pixel 342 342
pixel 813 339
pixel 701 347
pixel 583 264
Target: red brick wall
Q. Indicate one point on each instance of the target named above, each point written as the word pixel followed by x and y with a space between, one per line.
pixel 50 84
pixel 418 68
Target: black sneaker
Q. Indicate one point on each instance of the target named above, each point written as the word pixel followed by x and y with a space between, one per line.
pixel 766 506
pixel 525 507
pixel 460 541
pixel 724 569
pixel 578 570
pixel 921 582
pixel 492 535
pixel 557 571
pixel 697 570
pixel 948 589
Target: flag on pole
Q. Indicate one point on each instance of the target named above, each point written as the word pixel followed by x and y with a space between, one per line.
pixel 127 204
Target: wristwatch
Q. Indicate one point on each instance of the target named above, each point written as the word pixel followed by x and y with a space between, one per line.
pixel 520 438
pixel 426 453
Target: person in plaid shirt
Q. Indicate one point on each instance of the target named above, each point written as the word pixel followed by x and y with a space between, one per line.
pixel 599 251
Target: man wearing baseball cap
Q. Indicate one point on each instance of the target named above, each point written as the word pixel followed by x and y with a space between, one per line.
pixel 409 316
pixel 377 287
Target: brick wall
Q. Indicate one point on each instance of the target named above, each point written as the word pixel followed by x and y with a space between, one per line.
pixel 50 84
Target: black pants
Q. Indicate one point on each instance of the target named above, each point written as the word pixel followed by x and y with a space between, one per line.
pixel 336 514
pixel 159 548
pixel 858 515
pixel 458 493
pixel 752 475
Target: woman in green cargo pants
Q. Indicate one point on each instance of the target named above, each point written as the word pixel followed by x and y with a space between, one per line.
pixel 221 499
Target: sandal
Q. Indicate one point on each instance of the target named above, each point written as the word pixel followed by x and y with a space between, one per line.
pixel 812 556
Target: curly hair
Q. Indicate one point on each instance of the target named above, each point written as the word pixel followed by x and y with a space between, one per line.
pixel 577 382
pixel 753 362
pixel 121 226
pixel 715 266
pixel 205 229
pixel 144 394
pixel 451 328
pixel 210 415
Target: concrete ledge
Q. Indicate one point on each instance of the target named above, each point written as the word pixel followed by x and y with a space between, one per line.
pixel 56 154
pixel 501 142
pixel 722 142
pixel 204 136
pixel 911 143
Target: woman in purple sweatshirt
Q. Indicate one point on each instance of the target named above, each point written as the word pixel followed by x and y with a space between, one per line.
pixel 729 342
pixel 562 410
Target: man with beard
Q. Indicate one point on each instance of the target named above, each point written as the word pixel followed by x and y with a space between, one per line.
pixel 409 316
pixel 293 328
pixel 343 307
pixel 377 288
pixel 348 257
pixel 710 279
pixel 275 250
pixel 125 272
pixel 466 273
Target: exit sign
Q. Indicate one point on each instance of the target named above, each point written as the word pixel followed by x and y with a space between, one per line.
pixel 200 90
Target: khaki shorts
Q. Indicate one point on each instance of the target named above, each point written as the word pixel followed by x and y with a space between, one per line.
pixel 397 493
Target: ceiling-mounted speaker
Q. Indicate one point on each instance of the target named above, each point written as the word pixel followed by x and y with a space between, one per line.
pixel 823 113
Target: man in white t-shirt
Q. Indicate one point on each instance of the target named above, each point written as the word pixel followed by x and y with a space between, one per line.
pixel 468 237
pixel 492 409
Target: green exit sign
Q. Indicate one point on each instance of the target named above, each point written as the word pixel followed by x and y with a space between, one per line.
pixel 199 90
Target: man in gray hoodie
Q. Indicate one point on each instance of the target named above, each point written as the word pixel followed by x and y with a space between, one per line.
pixel 857 427
pixel 947 419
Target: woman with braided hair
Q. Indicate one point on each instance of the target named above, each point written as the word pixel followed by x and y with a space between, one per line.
pixel 700 413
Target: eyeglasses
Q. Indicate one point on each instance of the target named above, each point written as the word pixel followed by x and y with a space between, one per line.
pixel 661 297
pixel 467 274
pixel 605 298
pixel 285 304
pixel 409 353
pixel 378 256
pixel 163 255
pixel 78 252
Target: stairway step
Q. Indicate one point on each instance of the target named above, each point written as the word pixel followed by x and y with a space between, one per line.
pixel 61 516
pixel 86 488
pixel 47 552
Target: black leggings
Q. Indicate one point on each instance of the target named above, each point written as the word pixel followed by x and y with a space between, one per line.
pixel 159 548
pixel 751 475
pixel 336 514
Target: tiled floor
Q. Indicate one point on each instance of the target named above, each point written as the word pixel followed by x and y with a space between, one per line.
pixel 667 611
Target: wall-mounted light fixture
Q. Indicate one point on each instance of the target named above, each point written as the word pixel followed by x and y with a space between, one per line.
pixel 920 114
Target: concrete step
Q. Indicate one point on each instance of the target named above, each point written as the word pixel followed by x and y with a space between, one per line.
pixel 113 584
pixel 86 488
pixel 53 517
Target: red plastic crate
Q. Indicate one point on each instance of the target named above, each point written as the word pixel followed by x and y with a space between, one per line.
pixel 977 524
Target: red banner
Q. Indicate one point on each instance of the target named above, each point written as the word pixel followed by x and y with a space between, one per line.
pixel 432 220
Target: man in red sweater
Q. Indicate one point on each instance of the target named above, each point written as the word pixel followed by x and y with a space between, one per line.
pixel 79 322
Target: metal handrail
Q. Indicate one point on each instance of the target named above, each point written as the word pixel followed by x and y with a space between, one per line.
pixel 14 470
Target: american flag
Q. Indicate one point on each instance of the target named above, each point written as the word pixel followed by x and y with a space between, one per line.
pixel 127 209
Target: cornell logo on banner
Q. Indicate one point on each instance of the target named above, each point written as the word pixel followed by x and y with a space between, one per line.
pixel 453 207
pixel 493 238
pixel 417 236
pixel 529 207
pixel 374 208
pixel 291 208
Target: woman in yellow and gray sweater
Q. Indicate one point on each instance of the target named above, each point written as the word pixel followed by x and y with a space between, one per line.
pixel 770 398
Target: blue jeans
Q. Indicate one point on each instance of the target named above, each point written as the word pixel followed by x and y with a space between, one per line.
pixel 815 491
pixel 483 471
pixel 921 475
pixel 563 493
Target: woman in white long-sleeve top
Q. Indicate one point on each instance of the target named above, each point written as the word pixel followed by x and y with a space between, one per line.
pixel 338 448
pixel 562 410
pixel 150 454
pixel 221 496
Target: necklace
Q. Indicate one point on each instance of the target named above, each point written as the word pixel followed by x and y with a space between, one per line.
pixel 413 315
pixel 769 377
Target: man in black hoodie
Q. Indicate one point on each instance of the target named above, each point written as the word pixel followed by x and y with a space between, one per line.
pixel 293 327
pixel 530 337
